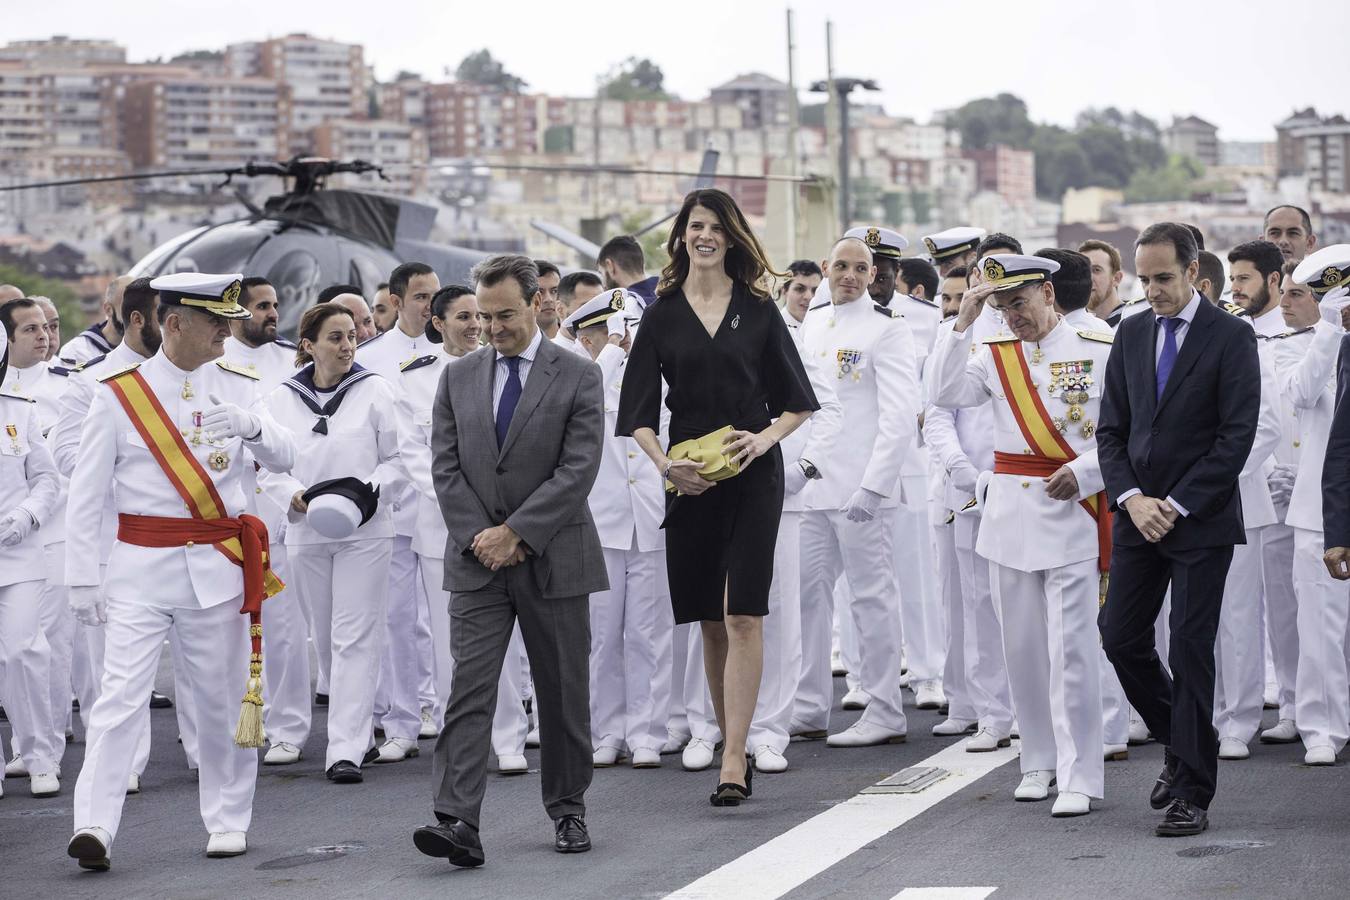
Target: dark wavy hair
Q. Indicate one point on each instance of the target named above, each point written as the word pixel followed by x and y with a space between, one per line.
pixel 746 263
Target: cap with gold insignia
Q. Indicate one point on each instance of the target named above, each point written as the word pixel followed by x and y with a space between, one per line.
pixel 882 241
pixel 598 309
pixel 953 241
pixel 216 294
pixel 1325 270
pixel 1009 270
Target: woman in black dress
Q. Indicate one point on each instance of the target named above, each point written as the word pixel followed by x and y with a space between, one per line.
pixel 715 337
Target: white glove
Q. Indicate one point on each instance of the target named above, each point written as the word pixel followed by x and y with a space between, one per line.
pixel 87 603
pixel 862 506
pixel 794 479
pixel 228 420
pixel 964 477
pixel 617 326
pixel 15 526
pixel 1331 308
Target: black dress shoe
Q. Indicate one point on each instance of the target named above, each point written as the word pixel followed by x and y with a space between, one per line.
pixel 345 772
pixel 371 755
pixel 320 699
pixel 451 839
pixel 570 835
pixel 1162 788
pixel 160 701
pixel 1183 819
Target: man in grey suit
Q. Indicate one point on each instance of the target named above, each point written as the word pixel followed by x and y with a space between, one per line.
pixel 516 443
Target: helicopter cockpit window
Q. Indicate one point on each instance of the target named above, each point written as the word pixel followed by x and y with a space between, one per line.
pixel 296 277
pixel 367 274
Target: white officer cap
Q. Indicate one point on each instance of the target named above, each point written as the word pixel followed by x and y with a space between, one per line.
pixel 216 294
pixel 953 241
pixel 1010 270
pixel 882 241
pixel 598 309
pixel 1325 270
pixel 336 508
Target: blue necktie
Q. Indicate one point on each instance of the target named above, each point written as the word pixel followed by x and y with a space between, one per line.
pixel 506 407
pixel 1169 351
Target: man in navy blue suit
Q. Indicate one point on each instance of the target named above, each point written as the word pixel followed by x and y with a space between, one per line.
pixel 1178 419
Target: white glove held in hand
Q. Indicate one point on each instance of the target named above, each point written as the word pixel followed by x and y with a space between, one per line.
pixel 794 479
pixel 617 325
pixel 964 478
pixel 87 603
pixel 862 506
pixel 1331 308
pixel 15 526
pixel 228 420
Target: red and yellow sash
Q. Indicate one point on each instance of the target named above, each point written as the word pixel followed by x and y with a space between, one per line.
pixel 1049 449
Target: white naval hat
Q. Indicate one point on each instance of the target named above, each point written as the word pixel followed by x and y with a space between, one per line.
pixel 882 241
pixel 953 241
pixel 336 508
pixel 1011 270
pixel 1325 270
pixel 598 309
pixel 216 294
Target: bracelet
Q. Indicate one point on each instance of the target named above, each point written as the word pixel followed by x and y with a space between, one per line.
pixel 665 473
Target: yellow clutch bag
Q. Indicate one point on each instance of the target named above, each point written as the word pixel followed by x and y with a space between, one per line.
pixel 707 451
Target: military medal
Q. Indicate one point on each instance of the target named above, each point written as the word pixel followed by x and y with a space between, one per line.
pixel 847 361
pixel 1089 429
pixel 13 432
pixel 187 389
pixel 219 461
pixel 1037 355
pixel 196 428
pixel 1072 380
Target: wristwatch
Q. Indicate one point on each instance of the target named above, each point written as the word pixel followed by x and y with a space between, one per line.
pixel 809 469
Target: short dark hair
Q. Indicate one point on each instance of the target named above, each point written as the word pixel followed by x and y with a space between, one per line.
pixel 1073 281
pixel 10 307
pixel 1179 236
pixel 919 271
pixel 1289 267
pixel 399 278
pixel 139 297
pixel 547 268
pixel 626 253
pixel 495 269
pixel 246 285
pixel 1109 249
pixel 997 240
pixel 1263 254
pixel 1211 267
pixel 959 272
pixel 567 287
pixel 1303 214
pixel 804 268
pixel 337 290
pixel 382 286
pixel 1197 234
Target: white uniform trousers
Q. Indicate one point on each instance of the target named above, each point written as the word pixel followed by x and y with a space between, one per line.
pixel 960 704
pixel 345 584
pixel 25 660
pixel 1239 648
pixel 1277 576
pixel 1051 643
pixel 58 622
pixel 1115 707
pixel 398 709
pixel 631 625
pixel 986 670
pixel 846 638
pixel 183 712
pixel 923 628
pixel 677 716
pixel 698 707
pixel 862 552
pixel 782 641
pixel 509 723
pixel 211 678
pixel 286 715
pixel 1321 694
pixel 426 652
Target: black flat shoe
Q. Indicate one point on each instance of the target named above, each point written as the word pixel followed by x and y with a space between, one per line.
pixel 749 775
pixel 1161 795
pixel 1183 819
pixel 345 772
pixel 453 840
pixel 160 701
pixel 728 793
pixel 570 835
pixel 320 699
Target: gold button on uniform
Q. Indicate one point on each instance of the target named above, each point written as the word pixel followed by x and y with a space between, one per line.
pixel 1296 443
pixel 1026 484
pixel 189 544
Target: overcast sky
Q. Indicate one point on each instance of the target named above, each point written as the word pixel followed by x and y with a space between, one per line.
pixel 1162 58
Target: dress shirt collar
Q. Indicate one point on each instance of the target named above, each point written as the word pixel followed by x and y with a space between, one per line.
pixel 1187 313
pixel 529 352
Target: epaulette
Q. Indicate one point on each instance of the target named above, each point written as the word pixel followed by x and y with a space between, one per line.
pixel 282 342
pixel 949 318
pixel 1134 301
pixel 999 339
pixel 1276 337
pixel 417 363
pixel 20 397
pixel 1233 308
pixel 819 305
pixel 63 371
pixel 1102 337
pixel 88 363
pixel 921 300
pixel 237 370
pixel 886 311
pixel 122 371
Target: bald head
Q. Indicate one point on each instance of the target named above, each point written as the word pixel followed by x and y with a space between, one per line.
pixel 10 292
pixel 361 315
pixel 850 270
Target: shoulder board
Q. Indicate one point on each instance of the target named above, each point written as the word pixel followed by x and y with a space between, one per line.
pixel 819 305
pixel 1133 302
pixel 373 340
pixel 999 339
pixel 236 370
pixel 122 371
pixel 886 311
pixel 63 371
pixel 921 300
pixel 1103 337
pixel 88 363
pixel 417 363
pixel 1233 308
pixel 20 397
pixel 281 342
pixel 1277 337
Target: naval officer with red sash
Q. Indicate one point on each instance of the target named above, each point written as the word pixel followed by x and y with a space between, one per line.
pixel 172 435
pixel 1045 527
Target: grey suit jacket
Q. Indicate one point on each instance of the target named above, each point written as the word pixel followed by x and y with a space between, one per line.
pixel 537 483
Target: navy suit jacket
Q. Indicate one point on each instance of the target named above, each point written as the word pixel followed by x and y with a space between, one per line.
pixel 1192 442
pixel 1336 468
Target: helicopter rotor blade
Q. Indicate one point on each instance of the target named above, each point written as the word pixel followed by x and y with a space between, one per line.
pixel 567 238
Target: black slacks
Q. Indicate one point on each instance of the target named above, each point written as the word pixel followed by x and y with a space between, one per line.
pixel 1178 710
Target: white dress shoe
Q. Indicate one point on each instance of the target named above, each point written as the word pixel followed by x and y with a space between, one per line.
pixel 674 743
pixel 857 699
pixel 1069 803
pixel 800 731
pixel 226 843
pixel 1034 786
pixel 1232 748
pixel 133 783
pixel 928 695
pixel 15 768
pixel 90 847
pixel 1138 732
pixel 954 727
pixel 282 754
pixel 1115 752
pixel 397 750
pixel 514 764
pixel 1319 756
pixel 646 759
pixel 865 734
pixel 532 737
pixel 987 740
pixel 837 668
pixel 44 784
pixel 604 757
pixel 697 756
pixel 767 759
pixel 430 727
pixel 1282 732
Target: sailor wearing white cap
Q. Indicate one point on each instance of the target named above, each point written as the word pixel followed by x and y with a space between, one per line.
pixel 953 247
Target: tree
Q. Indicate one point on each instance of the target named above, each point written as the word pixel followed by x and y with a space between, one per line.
pixel 993 120
pixel 1179 179
pixel 480 68
pixel 63 297
pixel 634 79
